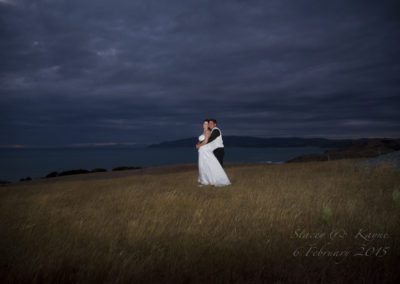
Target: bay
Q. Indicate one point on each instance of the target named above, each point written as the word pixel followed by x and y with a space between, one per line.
pixel 38 162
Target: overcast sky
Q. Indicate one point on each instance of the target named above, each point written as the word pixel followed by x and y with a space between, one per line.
pixel 129 71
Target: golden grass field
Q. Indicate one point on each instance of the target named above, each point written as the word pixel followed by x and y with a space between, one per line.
pixel 276 223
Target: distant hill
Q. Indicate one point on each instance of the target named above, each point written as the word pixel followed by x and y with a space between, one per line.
pixel 254 142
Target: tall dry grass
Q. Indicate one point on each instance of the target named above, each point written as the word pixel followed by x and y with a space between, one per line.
pixel 162 228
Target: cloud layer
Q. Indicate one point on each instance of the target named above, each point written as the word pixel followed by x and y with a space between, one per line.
pixel 145 71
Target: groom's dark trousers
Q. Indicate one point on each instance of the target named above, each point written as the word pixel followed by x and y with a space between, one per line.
pixel 219 152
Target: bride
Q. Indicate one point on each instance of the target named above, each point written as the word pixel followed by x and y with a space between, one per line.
pixel 210 170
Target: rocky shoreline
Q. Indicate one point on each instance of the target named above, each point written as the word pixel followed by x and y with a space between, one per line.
pixel 74 172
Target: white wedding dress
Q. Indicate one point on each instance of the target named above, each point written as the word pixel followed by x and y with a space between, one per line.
pixel 210 170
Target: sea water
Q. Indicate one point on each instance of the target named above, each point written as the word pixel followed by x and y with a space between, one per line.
pixel 35 163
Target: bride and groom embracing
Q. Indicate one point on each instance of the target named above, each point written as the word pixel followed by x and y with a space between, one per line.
pixel 211 156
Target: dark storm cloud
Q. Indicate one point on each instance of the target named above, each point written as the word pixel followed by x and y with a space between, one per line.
pixel 145 71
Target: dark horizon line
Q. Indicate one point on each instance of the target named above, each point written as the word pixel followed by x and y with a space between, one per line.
pixel 144 145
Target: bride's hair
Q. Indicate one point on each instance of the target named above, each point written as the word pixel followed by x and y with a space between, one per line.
pixel 206 120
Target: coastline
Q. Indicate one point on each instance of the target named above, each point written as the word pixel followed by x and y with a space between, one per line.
pixel 151 170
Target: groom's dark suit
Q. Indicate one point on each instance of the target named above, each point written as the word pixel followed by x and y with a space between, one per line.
pixel 219 152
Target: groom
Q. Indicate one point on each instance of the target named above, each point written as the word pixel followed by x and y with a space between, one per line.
pixel 215 132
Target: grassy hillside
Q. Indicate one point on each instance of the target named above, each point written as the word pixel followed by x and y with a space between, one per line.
pixel 274 224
